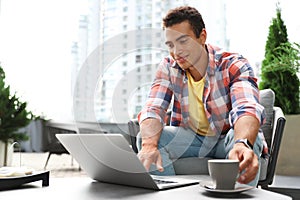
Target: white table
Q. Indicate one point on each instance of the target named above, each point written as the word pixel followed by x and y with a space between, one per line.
pixel 84 188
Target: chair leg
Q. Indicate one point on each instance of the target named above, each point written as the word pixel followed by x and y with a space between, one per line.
pixel 47 160
pixel 265 187
pixel 72 161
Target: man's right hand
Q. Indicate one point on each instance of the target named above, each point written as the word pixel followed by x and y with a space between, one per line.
pixel 149 154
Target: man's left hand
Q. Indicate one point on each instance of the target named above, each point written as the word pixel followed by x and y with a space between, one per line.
pixel 249 165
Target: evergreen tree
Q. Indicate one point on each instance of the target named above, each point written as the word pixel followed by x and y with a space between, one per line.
pixel 280 67
pixel 277 36
pixel 13 115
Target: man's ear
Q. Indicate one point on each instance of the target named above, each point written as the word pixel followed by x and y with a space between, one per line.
pixel 203 36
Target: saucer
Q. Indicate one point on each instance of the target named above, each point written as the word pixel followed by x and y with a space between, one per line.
pixel 208 186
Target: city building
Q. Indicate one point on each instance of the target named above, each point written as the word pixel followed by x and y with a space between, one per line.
pixel 129 49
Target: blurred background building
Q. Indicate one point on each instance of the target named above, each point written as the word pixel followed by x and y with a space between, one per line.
pixel 122 40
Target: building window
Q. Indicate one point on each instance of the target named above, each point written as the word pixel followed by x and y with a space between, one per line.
pixel 138 58
pixel 148 68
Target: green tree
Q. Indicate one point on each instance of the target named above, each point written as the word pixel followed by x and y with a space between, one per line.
pixel 13 115
pixel 277 36
pixel 280 67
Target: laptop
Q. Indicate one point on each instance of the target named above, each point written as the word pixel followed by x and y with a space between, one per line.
pixel 109 158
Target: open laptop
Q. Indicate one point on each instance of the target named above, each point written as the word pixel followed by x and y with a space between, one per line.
pixel 109 158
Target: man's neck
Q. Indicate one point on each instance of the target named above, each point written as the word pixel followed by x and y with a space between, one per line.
pixel 199 69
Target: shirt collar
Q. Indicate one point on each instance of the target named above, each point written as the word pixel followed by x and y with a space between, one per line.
pixel 211 60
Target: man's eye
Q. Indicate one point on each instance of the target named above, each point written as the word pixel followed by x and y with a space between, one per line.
pixel 183 41
pixel 170 46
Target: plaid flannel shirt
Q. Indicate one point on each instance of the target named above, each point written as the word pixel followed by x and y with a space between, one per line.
pixel 230 92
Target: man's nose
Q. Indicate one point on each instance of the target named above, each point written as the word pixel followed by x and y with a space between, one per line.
pixel 178 49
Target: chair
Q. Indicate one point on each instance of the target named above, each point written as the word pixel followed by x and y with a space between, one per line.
pixel 273 131
pixel 54 146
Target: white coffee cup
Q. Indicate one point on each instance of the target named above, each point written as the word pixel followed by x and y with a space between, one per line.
pixel 224 173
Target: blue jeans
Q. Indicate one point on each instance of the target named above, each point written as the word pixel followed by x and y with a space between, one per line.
pixel 179 142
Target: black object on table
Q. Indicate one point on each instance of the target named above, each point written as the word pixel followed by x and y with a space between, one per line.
pixel 14 182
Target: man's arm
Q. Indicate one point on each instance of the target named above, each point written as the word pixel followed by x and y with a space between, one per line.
pixel 150 130
pixel 152 116
pixel 246 127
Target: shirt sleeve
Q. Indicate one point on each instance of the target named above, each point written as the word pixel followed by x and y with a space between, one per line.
pixel 244 92
pixel 160 95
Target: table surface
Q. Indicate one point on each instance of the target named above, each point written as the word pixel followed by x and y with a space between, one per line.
pixel 86 188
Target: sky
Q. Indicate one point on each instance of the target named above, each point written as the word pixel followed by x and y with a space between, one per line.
pixel 35 41
pixel 36 36
pixel 249 21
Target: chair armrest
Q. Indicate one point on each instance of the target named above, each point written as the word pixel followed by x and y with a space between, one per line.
pixel 278 126
pixel 277 132
pixel 134 129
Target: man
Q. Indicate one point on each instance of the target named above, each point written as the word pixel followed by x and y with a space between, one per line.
pixel 214 98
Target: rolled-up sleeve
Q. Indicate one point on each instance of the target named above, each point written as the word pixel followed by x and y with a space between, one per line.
pixel 244 93
pixel 160 95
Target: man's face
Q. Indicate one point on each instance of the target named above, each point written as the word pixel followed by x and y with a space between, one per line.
pixel 183 45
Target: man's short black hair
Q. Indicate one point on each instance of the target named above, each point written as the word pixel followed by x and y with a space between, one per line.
pixel 185 13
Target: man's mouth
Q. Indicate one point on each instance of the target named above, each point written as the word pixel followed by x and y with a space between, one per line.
pixel 180 60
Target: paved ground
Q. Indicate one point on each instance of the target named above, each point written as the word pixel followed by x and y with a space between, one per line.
pixel 59 165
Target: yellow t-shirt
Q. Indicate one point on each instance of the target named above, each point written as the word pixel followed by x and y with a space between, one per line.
pixel 198 120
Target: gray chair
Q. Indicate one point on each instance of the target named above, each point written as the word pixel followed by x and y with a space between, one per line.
pixel 54 146
pixel 273 130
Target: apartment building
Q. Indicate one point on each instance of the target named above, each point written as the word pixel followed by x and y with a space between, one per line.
pixel 130 47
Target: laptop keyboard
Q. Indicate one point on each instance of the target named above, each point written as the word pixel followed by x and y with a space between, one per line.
pixel 157 181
